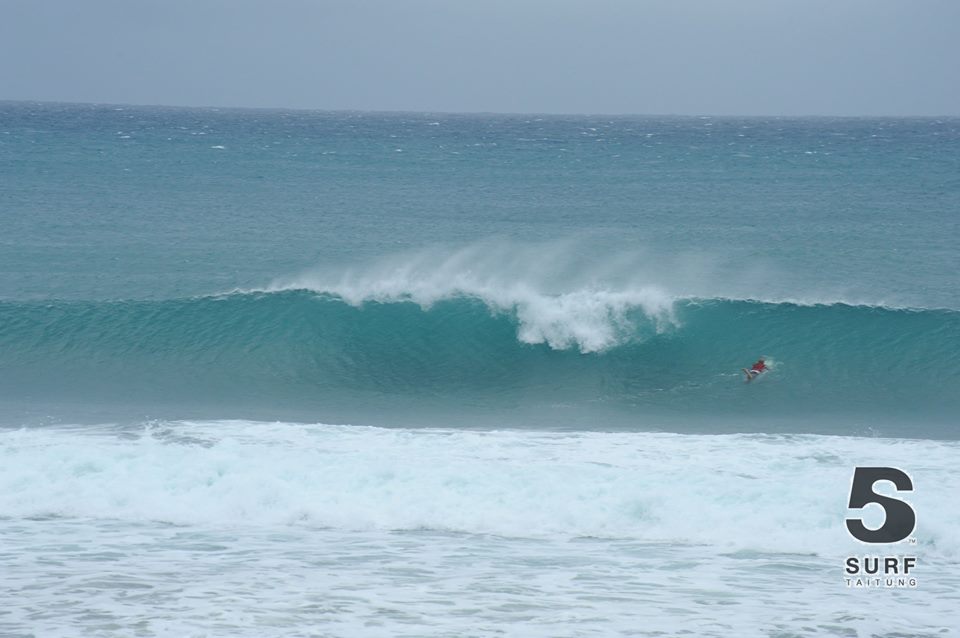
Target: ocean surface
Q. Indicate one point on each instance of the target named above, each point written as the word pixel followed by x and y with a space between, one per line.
pixel 289 373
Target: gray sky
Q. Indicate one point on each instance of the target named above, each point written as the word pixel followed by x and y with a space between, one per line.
pixel 845 57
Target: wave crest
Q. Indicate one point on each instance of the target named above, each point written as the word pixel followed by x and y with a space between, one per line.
pixel 554 300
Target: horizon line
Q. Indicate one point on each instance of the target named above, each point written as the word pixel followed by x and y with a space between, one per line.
pixel 473 113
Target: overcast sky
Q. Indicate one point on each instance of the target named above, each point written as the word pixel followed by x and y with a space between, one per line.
pixel 825 57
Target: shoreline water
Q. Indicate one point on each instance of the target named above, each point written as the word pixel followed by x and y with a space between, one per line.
pixel 285 529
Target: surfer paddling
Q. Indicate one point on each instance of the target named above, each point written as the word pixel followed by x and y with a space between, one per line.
pixel 755 369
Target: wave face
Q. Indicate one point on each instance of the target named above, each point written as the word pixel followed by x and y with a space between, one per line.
pixel 633 358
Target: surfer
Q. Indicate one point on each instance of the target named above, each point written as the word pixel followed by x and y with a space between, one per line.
pixel 755 369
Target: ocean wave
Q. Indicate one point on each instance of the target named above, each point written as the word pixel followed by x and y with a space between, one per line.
pixel 591 355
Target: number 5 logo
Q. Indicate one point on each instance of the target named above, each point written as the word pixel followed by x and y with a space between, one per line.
pixel 899 518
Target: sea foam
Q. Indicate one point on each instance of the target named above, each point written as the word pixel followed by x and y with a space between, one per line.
pixel 737 492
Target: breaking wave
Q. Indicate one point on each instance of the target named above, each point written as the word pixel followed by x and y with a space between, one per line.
pixel 589 355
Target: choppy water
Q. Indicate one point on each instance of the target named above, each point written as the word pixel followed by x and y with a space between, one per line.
pixel 544 318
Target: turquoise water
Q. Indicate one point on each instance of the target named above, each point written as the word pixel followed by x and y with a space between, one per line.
pixel 406 268
pixel 835 368
pixel 274 373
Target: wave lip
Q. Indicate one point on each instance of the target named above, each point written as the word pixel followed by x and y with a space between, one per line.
pixel 588 320
pixel 592 318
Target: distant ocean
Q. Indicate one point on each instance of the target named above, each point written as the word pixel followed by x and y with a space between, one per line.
pixel 289 373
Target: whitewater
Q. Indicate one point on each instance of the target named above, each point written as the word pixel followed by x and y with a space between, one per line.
pixel 263 375
pixel 364 531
